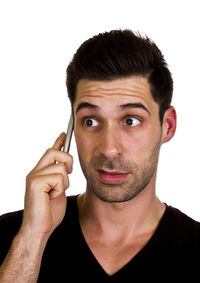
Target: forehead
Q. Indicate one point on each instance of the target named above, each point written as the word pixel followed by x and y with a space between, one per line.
pixel 133 89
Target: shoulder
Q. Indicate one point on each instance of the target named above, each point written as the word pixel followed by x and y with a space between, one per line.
pixel 182 233
pixel 180 244
pixel 181 222
pixel 11 220
pixel 9 226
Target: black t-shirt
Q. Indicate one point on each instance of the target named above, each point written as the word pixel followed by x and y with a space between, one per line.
pixel 171 255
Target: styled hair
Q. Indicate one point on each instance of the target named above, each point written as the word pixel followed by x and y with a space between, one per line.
pixel 121 54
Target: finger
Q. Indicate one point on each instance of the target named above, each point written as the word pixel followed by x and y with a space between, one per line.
pixel 52 156
pixel 58 185
pixel 55 194
pixel 62 168
pixel 58 144
pixel 46 183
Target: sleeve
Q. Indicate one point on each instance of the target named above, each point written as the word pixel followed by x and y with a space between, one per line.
pixel 9 226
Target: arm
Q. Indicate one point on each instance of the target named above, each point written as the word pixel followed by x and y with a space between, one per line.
pixel 22 263
pixel 45 206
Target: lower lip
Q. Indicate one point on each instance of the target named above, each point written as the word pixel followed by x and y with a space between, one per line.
pixel 112 179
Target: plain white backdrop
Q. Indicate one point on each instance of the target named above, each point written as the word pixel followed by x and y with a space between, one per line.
pixel 38 39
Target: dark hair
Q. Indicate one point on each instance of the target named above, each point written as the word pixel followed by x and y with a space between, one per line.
pixel 118 54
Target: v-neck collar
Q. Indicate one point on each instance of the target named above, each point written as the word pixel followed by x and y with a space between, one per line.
pixel 140 258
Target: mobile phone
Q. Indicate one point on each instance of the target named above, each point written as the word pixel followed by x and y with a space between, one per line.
pixel 68 138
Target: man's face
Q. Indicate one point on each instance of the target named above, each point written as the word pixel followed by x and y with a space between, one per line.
pixel 118 136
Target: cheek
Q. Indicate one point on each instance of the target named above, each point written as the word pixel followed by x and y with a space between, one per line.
pixel 140 143
pixel 136 146
pixel 136 139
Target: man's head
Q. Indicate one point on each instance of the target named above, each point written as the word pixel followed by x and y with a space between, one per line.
pixel 121 54
pixel 121 114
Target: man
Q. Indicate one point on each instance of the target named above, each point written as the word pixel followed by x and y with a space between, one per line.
pixel 117 231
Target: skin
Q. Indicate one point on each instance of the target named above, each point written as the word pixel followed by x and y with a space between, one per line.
pixel 110 144
pixel 44 209
pixel 105 208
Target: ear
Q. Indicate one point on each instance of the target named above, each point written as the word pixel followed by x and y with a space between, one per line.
pixel 169 124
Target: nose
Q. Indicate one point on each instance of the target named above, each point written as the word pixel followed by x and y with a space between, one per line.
pixel 110 142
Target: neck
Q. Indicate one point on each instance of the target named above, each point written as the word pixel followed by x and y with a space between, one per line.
pixel 139 215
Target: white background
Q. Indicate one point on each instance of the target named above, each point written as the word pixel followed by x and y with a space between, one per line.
pixel 37 41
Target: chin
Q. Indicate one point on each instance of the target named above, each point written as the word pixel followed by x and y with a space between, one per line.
pixel 115 197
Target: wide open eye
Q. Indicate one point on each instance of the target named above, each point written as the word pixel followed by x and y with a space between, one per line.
pixel 91 122
pixel 131 121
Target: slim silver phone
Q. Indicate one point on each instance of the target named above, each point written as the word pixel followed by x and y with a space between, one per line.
pixel 68 138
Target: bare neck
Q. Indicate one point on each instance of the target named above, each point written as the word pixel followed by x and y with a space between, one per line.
pixel 139 215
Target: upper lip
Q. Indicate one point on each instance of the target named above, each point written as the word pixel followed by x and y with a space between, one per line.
pixel 112 172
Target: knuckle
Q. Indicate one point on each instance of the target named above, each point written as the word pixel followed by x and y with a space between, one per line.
pixel 50 151
pixel 69 162
pixel 32 181
pixel 70 158
pixel 28 178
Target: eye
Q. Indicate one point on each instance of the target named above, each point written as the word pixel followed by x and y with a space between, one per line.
pixel 90 122
pixel 132 121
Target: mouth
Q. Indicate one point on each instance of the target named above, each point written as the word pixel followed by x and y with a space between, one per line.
pixel 112 177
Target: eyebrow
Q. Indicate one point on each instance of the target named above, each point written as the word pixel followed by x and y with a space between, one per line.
pixel 122 107
pixel 86 105
pixel 134 105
